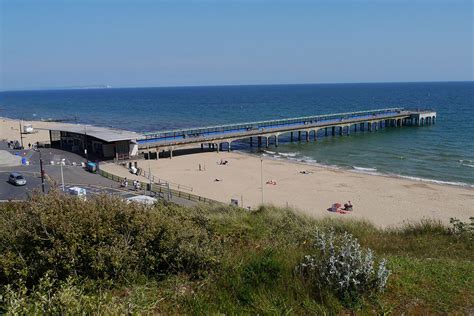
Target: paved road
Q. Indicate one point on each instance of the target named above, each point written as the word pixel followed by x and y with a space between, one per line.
pixel 73 176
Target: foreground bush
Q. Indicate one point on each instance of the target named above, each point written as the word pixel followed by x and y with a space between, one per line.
pixel 61 255
pixel 341 265
pixel 103 239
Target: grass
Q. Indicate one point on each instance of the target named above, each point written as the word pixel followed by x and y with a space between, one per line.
pixel 212 260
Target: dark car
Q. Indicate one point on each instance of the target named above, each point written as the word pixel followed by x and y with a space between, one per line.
pixel 16 178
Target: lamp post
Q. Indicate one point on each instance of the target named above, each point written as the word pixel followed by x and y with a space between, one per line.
pixel 42 172
pixel 149 168
pixel 85 143
pixel 21 136
pixel 261 176
pixel 62 174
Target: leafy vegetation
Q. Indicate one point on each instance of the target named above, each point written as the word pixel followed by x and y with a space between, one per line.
pixel 62 255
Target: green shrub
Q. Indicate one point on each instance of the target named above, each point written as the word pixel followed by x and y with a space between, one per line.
pixel 102 239
pixel 339 264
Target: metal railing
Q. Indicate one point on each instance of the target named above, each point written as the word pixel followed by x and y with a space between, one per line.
pixel 159 181
pixel 242 127
pixel 162 190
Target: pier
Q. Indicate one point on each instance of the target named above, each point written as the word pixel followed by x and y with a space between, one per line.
pixel 266 133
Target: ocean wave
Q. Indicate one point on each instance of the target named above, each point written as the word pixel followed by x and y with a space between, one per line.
pixel 364 169
pixel 288 154
pixel 468 165
pixel 462 184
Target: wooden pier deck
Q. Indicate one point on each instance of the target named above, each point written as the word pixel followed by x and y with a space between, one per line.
pixel 266 132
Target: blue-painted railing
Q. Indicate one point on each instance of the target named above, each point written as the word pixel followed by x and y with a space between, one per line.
pixel 180 134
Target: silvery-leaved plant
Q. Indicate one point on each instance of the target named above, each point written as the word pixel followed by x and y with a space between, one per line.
pixel 340 264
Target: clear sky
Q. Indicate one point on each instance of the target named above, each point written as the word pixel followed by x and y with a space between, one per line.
pixel 68 43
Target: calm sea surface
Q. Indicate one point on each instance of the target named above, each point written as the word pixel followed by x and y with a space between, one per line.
pixel 441 152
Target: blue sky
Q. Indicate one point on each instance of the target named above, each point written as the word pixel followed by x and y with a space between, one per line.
pixel 171 43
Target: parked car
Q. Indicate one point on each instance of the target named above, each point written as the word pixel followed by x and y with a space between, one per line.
pixel 79 192
pixel 16 178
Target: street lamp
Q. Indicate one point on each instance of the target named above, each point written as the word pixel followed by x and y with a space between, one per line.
pixel 149 168
pixel 261 176
pixel 42 172
pixel 62 174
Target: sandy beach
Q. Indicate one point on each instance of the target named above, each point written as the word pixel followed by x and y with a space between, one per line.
pixel 10 130
pixel 381 200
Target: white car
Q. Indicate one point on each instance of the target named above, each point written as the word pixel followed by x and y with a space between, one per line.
pixel 143 199
pixel 79 192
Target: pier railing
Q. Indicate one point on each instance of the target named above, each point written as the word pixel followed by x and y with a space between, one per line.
pixel 162 190
pixel 269 124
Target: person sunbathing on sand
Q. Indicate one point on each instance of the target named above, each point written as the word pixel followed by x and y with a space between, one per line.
pixel 348 206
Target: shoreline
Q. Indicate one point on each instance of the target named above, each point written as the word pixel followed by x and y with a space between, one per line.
pixel 382 200
pixel 355 169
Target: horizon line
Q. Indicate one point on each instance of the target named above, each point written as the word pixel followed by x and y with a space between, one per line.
pixel 109 87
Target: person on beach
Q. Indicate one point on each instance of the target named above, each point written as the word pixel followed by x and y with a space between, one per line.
pixel 125 183
pixel 348 206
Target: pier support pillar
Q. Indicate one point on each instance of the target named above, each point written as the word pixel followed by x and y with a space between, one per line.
pixel 348 130
pixel 315 135
pixel 369 126
pixel 291 136
pixel 202 147
pixel 276 140
pixel 307 136
pixel 334 131
pixel 299 136
pixel 251 142
pixel 326 131
pixel 266 141
pixel 341 130
pixel 217 147
pixel 355 128
pixel 171 153
pixel 228 147
pixel 259 140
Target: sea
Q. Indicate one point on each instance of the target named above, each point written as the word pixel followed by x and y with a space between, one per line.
pixel 442 153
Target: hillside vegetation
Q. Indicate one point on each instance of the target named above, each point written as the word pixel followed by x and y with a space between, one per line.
pixel 62 255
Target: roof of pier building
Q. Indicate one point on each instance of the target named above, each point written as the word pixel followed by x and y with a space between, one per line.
pixel 103 133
